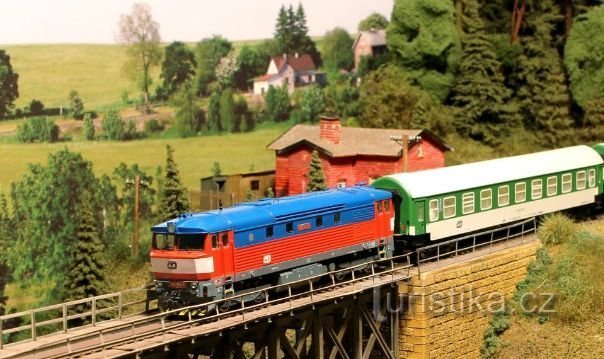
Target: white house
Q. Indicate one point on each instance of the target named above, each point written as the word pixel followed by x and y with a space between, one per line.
pixel 291 71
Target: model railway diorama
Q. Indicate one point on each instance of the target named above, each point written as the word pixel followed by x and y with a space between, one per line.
pixel 213 255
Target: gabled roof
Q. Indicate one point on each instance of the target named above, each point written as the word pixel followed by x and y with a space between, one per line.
pixel 353 141
pixel 301 62
pixel 374 37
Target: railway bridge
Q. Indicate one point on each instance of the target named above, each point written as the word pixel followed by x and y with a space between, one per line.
pixel 432 302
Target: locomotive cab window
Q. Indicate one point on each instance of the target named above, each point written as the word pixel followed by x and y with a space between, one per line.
pixel 536 189
pixel 468 203
pixel 319 221
pixel 225 239
pixel 520 192
pixel 433 209
pixel 581 180
pixel 336 218
pixel 486 200
pixel 552 186
pixel 163 241
pixel 387 205
pixel 190 242
pixel 269 232
pixel 592 177
pixel 503 196
pixel 567 182
pixel 289 227
pixel 215 243
pixel 449 207
pixel 379 206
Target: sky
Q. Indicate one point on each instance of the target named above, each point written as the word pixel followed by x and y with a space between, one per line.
pixel 95 21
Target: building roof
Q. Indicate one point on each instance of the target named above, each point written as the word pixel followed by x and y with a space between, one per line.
pixel 302 62
pixel 353 141
pixel 247 174
pixel 374 37
pixel 479 174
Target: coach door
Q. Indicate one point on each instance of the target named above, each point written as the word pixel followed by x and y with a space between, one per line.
pixel 382 210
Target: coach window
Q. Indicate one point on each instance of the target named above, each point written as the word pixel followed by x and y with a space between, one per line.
pixel 503 196
pixel 225 239
pixel 215 243
pixel 486 200
pixel 592 177
pixel 567 182
pixel 289 227
pixel 433 208
pixel 520 192
pixel 581 182
pixel 468 202
pixel 536 189
pixel 269 232
pixel 552 186
pixel 449 207
pixel 319 221
pixel 336 218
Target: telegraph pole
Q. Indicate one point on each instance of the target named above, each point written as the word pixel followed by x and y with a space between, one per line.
pixel 137 180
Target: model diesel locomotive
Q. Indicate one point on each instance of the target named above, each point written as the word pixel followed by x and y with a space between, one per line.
pixel 213 255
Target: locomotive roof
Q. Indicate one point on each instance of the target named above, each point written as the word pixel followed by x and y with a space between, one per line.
pixel 273 210
pixel 478 174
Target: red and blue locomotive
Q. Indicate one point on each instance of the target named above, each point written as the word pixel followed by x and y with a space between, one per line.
pixel 212 255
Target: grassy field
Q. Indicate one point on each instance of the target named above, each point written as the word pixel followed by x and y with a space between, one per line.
pixel 195 156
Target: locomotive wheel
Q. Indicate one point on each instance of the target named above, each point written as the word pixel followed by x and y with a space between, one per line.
pixel 259 298
pixel 340 276
pixel 225 306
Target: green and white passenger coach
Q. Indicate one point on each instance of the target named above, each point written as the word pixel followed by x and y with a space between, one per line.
pixel 452 201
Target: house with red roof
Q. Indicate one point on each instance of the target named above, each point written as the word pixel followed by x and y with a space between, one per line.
pixel 290 71
pixel 350 155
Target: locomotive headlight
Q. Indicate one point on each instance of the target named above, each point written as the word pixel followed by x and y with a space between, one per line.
pixel 171 227
pixel 194 285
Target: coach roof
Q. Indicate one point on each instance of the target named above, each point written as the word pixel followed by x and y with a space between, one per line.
pixel 478 174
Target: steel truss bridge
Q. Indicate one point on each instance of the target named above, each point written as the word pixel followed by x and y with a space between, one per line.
pixel 350 313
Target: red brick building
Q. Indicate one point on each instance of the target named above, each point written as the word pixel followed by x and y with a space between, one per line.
pixel 349 155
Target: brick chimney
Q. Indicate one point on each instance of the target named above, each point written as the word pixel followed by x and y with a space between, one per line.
pixel 330 129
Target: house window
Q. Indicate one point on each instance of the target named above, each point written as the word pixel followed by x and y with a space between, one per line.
pixel 552 186
pixel 503 196
pixel 486 200
pixel 341 183
pixel 449 207
pixel 319 221
pixel 289 227
pixel 581 182
pixel 536 189
pixel 336 218
pixel 592 177
pixel 433 209
pixel 269 232
pixel 468 203
pixel 255 185
pixel 567 182
pixel 520 192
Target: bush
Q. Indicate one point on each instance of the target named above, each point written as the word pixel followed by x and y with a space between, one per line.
pixel 497 326
pixel 38 129
pixel 88 127
pixel 153 126
pixel 113 126
pixel 36 107
pixel 277 105
pixel 556 228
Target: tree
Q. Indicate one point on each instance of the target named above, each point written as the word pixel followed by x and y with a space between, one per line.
pixel 316 178
pixel 226 69
pixel 342 98
pixel 227 110
pixel 37 129
pixel 584 57
pixel 141 33
pixel 85 276
pixel 252 63
pixel 9 87
pixel 37 214
pixel 312 104
pixel 375 21
pixel 593 122
pixel 291 33
pixel 36 108
pixel 214 122
pixel 77 106
pixel 176 69
pixel 216 171
pixel 208 53
pixel 113 126
pixel 479 92
pixel 88 127
pixel 337 49
pixel 425 44
pixel 243 116
pixel 277 106
pixel 189 116
pixel 175 199
pixel 125 175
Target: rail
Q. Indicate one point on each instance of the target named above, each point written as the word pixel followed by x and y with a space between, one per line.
pixel 495 239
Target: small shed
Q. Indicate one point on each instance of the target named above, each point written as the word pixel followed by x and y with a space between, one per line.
pixel 235 188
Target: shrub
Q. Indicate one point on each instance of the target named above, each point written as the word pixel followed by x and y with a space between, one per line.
pixel 77 106
pixel 36 107
pixel 88 127
pixel 277 105
pixel 556 228
pixel 113 125
pixel 38 129
pixel 491 344
pixel 153 126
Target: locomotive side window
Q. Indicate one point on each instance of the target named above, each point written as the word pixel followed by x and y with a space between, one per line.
pixel 503 196
pixel 319 221
pixel 225 239
pixel 163 241
pixel 520 192
pixel 215 243
pixel 190 242
pixel 552 186
pixel 433 209
pixel 592 177
pixel 336 218
pixel 379 206
pixel 387 205
pixel 486 200
pixel 269 232
pixel 567 182
pixel 449 207
pixel 536 189
pixel 467 200
pixel 289 227
pixel 581 181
